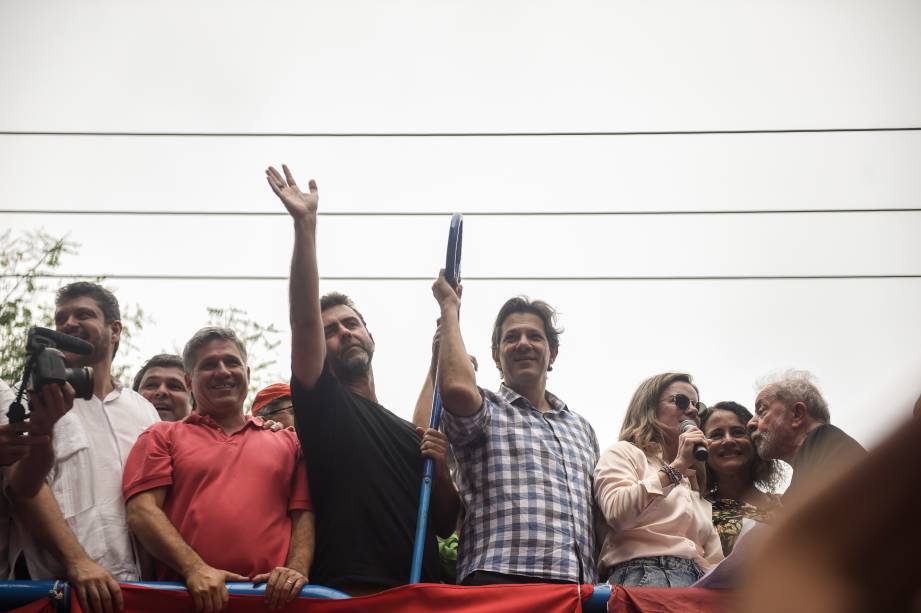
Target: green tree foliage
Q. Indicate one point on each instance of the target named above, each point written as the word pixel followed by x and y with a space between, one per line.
pixel 260 341
pixel 26 260
pixel 127 362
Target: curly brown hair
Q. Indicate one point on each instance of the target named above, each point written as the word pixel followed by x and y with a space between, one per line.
pixel 766 474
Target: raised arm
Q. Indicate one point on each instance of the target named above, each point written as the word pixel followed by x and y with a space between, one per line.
pixel 422 414
pixel 456 375
pixel 308 345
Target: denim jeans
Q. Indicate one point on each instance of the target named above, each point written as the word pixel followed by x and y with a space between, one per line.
pixel 658 571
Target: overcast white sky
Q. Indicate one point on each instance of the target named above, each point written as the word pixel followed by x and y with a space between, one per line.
pixel 501 66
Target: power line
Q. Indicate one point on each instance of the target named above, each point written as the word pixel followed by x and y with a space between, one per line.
pixel 114 133
pixel 399 278
pixel 124 212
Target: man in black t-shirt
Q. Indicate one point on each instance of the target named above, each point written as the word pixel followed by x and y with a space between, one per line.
pixel 364 463
pixel 791 423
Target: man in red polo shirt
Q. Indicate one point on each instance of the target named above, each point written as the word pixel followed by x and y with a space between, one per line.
pixel 186 483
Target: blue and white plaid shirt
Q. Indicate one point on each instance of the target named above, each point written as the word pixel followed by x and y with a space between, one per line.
pixel 526 482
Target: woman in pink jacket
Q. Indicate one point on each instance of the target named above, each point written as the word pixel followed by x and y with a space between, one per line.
pixel 658 526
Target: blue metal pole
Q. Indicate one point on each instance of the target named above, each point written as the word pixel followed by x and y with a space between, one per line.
pixel 452 274
pixel 15 594
pixel 425 495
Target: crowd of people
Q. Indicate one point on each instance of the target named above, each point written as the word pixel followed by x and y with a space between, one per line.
pixel 172 480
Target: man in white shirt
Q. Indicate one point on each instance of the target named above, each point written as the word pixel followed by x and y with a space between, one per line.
pixel 26 456
pixel 75 527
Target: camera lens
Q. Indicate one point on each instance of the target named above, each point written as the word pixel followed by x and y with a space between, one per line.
pixel 81 379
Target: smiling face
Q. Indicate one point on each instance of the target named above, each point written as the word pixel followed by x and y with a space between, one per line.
pixel 166 389
pixel 219 379
pixel 524 354
pixel 669 414
pixel 349 345
pixel 82 317
pixel 731 449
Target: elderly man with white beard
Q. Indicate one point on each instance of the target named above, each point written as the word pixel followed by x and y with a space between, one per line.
pixel 792 423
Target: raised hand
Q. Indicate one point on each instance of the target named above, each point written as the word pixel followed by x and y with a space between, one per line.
pixel 444 293
pixel 686 442
pixel 299 204
pixel 48 406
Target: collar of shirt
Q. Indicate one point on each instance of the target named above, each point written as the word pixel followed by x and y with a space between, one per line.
pixel 205 420
pixel 114 394
pixel 512 397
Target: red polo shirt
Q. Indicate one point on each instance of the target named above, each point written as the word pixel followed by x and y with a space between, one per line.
pixel 228 495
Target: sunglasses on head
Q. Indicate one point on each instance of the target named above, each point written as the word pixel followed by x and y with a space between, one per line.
pixel 684 402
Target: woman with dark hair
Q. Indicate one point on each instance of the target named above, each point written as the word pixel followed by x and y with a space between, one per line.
pixel 741 483
pixel 659 529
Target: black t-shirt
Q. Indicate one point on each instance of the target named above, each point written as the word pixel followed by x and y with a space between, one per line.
pixel 825 452
pixel 365 471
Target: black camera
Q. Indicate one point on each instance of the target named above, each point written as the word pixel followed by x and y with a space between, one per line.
pixel 45 365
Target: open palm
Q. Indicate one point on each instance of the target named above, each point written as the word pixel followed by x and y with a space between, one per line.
pixel 298 203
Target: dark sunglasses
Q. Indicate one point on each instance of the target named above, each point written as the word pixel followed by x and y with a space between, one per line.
pixel 683 402
pixel 287 409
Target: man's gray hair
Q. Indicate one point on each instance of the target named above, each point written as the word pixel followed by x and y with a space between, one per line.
pixel 792 386
pixel 205 336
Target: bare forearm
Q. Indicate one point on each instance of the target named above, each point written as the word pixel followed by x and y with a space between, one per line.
pixel 28 474
pixel 160 538
pixel 422 414
pixel 308 346
pixel 303 542
pixel 456 376
pixel 305 282
pixel 42 518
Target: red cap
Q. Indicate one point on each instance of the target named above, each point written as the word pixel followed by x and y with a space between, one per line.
pixel 270 394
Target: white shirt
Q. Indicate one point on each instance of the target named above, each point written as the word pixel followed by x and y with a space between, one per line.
pixel 91 444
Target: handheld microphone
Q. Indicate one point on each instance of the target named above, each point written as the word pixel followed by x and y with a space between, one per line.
pixel 64 342
pixel 700 450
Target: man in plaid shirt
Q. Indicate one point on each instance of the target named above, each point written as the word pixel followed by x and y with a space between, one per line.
pixel 524 459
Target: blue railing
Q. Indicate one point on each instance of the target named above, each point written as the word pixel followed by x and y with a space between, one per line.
pixel 18 593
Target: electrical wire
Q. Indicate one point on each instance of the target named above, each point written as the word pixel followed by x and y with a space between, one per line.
pixel 125 212
pixel 483 134
pixel 468 278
